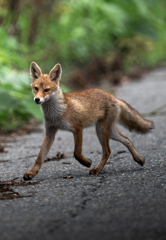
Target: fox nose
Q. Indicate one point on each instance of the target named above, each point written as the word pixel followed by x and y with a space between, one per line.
pixel 37 100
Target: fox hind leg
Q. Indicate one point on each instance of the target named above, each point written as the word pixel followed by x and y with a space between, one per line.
pixel 103 136
pixel 78 148
pixel 118 136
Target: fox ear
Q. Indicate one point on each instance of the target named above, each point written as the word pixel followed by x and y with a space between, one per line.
pixel 55 73
pixel 35 71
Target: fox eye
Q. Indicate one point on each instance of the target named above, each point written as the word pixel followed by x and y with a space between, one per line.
pixel 36 89
pixel 47 89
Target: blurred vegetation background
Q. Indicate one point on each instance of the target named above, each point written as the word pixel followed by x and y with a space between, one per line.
pixel 96 40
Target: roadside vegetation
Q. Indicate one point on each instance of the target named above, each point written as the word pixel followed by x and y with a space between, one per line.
pixel 97 38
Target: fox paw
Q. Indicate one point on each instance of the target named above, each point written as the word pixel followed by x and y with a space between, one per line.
pixel 95 171
pixel 28 176
pixel 140 161
pixel 89 163
pixel 85 162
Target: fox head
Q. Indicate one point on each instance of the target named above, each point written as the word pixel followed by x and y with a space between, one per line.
pixel 44 85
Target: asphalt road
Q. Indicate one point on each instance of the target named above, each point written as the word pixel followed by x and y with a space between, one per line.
pixel 126 201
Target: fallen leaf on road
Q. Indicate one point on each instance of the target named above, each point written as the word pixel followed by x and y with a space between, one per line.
pixel 68 177
pixel 6 192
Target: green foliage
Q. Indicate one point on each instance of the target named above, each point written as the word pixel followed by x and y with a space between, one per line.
pixel 12 52
pixel 11 112
pixel 16 100
pixel 85 29
pixel 74 32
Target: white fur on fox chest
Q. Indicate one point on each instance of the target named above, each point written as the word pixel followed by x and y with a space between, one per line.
pixel 53 110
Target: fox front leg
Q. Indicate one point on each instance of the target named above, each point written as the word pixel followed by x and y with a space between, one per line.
pixel 47 143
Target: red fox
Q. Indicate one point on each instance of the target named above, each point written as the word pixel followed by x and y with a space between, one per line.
pixel 75 111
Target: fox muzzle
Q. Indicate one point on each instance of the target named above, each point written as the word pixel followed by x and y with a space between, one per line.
pixel 38 100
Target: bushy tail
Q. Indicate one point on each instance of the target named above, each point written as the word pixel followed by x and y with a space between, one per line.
pixel 131 119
